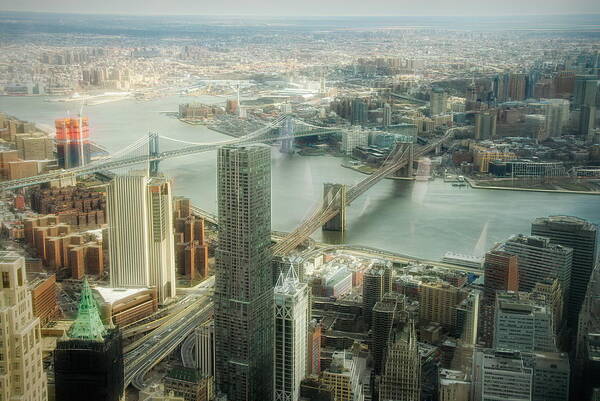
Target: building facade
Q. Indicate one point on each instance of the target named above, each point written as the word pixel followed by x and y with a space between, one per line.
pixel 243 284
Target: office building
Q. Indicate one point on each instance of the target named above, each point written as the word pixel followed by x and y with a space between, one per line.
pixel 557 116
pixel 437 303
pixel 347 376
pixel 359 112
pixel 313 389
pixel 383 322
pixel 401 379
pixel 243 285
pixel 582 237
pixel 22 375
pixel 454 385
pixel 88 364
pixel 387 115
pixel 437 101
pixel 291 329
pixel 140 231
pixel 467 318
pixel 352 138
pixel 521 324
pixel 517 86
pixel 586 89
pixel 551 375
pixel 313 348
pixel 587 122
pixel 540 259
pixel 205 349
pixel 72 141
pixel 485 125
pixel 189 384
pixel 501 274
pixel 377 281
pixel 500 375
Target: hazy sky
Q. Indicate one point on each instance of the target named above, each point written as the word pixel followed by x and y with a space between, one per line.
pixel 309 7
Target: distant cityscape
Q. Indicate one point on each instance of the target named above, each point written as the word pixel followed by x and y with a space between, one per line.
pixel 147 166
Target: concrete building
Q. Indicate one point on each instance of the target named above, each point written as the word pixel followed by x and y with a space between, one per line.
pixel 401 379
pixel 346 376
pixel 540 259
pixel 551 375
pixel 205 349
pixel 384 315
pixel 22 375
pixel 438 99
pixel 377 281
pixel 188 384
pixel 587 122
pixel 521 324
pixel 581 236
pixel 121 306
pixel 141 240
pixel 387 115
pixel 500 375
pixel 485 125
pixel 291 329
pixel 243 280
pixel 437 303
pixel 453 385
pixel 517 86
pixel 44 297
pixel 501 274
pixel 352 138
pixel 313 345
pixel 557 116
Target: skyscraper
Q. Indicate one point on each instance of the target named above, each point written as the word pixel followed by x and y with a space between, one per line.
pixel 88 365
pixel 582 237
pixel 500 375
pixel 141 241
pixel 557 116
pixel 540 259
pixel 291 329
pixel 437 101
pixel 401 379
pixel 72 141
pixel 387 115
pixel 22 375
pixel 501 273
pixel 385 314
pixel 243 285
pixel 485 125
pixel 517 86
pixel 521 324
pixel 376 283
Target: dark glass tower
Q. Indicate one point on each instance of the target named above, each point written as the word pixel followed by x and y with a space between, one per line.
pixel 88 366
pixel 243 284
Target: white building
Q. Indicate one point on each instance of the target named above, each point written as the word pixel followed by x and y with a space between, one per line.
pixel 205 348
pixel 500 375
pixel 557 116
pixel 351 138
pixel 22 376
pixel 291 328
pixel 141 240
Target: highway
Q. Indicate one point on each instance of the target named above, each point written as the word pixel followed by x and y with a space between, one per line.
pixel 147 352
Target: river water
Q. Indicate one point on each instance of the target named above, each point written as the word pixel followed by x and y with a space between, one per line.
pixel 422 219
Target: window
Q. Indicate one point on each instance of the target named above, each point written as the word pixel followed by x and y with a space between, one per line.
pixel 5 280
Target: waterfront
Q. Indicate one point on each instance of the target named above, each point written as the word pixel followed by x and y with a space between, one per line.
pixel 424 219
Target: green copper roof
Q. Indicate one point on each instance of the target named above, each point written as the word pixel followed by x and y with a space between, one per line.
pixel 88 325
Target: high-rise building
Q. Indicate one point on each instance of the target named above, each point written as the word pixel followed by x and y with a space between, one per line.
pixel 586 90
pixel 540 259
pixel 587 122
pixel 22 375
pixel 359 112
pixel 485 125
pixel 521 324
pixel 141 240
pixel 243 285
pixel 500 375
pixel 437 303
pixel 557 116
pixel 582 237
pixel 385 314
pixel 387 115
pixel 72 141
pixel 377 281
pixel 351 138
pixel 517 86
pixel 313 345
pixel 437 101
pixel 346 376
pixel 205 349
pixel 551 375
pixel 401 379
pixel 88 364
pixel 501 273
pixel 291 329
pixel 453 385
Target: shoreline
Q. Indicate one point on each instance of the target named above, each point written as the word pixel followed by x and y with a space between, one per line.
pixel 557 191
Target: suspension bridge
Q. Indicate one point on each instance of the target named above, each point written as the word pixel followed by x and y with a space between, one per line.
pixel 146 150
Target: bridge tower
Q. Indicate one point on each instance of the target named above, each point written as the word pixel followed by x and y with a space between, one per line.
pixel 287 129
pixel 335 194
pixel 153 151
pixel 409 169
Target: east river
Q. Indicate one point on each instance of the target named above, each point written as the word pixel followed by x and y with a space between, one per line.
pixel 422 219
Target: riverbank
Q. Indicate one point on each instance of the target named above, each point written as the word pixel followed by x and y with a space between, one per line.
pixel 475 185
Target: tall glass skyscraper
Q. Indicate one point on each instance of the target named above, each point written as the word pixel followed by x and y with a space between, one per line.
pixel 243 284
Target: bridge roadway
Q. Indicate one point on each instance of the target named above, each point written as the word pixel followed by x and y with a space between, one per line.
pixel 154 347
pixel 109 164
pixel 323 213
